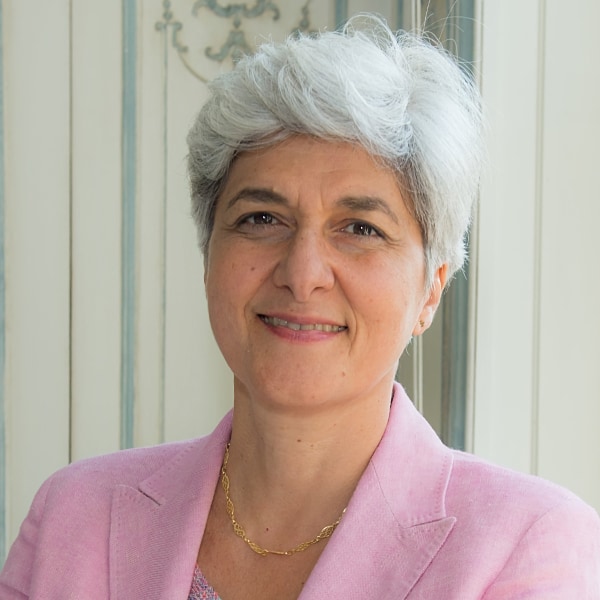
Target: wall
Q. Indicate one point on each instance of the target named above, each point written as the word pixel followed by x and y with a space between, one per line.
pixel 34 416
pixel 537 382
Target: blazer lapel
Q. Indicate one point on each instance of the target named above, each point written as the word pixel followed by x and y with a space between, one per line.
pixel 156 529
pixel 392 530
pixel 396 522
pixel 371 555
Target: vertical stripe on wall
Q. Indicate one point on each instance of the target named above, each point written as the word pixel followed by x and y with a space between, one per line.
pixel 128 222
pixel 400 15
pixel 455 306
pixel 163 261
pixel 341 12
pixel 465 25
pixel 537 240
pixel 3 448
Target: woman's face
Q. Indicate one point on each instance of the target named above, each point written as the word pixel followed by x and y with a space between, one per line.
pixel 315 275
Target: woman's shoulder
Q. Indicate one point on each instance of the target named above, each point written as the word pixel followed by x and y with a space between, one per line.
pixel 123 467
pixel 152 470
pixel 477 485
pixel 521 533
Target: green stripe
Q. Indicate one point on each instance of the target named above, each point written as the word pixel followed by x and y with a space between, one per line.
pixel 456 299
pixel 129 158
pixel 400 15
pixel 341 12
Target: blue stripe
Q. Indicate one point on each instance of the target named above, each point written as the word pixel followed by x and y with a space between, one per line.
pixel 3 448
pixel 466 33
pixel 163 329
pixel 400 15
pixel 341 12
pixel 128 224
pixel 455 306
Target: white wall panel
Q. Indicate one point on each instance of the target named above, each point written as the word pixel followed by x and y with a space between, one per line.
pixel 96 226
pixel 537 398
pixel 37 246
pixel 569 446
pixel 154 48
pixel 506 251
pixel 198 386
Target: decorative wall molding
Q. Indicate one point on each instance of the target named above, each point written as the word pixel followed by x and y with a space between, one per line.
pixel 235 45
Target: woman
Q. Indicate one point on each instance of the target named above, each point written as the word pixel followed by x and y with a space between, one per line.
pixel 332 180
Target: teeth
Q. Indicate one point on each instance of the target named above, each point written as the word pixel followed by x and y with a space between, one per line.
pixel 298 327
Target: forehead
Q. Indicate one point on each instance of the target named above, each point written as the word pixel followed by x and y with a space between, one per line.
pixel 302 164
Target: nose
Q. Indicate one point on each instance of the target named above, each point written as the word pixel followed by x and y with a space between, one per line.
pixel 305 265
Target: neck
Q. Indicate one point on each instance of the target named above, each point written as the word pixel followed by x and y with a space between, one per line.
pixel 291 464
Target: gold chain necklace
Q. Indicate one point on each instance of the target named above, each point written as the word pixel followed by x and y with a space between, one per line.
pixel 325 533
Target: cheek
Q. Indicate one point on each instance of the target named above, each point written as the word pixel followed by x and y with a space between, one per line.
pixel 230 285
pixel 224 320
pixel 220 293
pixel 393 303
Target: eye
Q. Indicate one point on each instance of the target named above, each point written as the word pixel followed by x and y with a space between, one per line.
pixel 259 218
pixel 362 229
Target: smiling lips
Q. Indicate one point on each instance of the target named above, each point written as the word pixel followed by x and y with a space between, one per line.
pixel 275 322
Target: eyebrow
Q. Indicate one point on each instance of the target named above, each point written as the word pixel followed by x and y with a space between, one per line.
pixel 258 194
pixel 355 203
pixel 369 204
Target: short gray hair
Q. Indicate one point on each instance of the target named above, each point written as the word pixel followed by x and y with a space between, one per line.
pixel 404 100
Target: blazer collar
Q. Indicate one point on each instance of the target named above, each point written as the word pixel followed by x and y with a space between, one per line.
pixel 396 521
pixel 394 525
pixel 156 529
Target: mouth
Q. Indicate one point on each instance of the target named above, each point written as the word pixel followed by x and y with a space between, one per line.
pixel 276 322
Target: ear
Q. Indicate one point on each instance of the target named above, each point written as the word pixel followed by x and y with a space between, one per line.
pixel 433 300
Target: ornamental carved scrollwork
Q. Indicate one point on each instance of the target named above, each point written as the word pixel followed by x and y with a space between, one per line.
pixel 236 41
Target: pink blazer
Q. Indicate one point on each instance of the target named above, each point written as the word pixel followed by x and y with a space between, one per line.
pixel 425 522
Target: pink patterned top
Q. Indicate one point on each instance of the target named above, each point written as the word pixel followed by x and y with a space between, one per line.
pixel 201 589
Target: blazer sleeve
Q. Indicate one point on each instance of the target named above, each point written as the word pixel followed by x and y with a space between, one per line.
pixel 558 557
pixel 15 577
